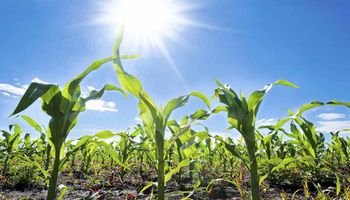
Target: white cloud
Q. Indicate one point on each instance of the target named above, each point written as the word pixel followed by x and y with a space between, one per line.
pixel 16 90
pixel 6 94
pixel 265 122
pixel 11 89
pixel 328 126
pixel 331 116
pixel 100 105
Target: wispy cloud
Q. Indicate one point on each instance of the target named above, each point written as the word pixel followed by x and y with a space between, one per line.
pixel 100 105
pixel 331 116
pixel 15 90
pixel 6 94
pixel 328 126
pixel 11 89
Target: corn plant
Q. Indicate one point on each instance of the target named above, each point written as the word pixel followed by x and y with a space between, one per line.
pixel 154 117
pixel 309 142
pixel 43 145
pixel 10 145
pixel 188 145
pixel 144 150
pixel 241 114
pixel 340 149
pixel 125 147
pixel 63 106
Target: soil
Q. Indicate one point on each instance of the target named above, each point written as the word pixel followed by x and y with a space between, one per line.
pixel 81 187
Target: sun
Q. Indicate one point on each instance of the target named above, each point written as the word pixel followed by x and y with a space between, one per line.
pixel 146 22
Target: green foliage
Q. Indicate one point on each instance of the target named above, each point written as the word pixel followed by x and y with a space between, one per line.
pixel 63 106
pixel 181 153
pixel 241 114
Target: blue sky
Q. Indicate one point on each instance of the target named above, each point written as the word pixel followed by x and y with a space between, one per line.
pixel 256 42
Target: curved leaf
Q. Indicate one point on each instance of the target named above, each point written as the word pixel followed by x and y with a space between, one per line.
pixel 32 123
pixel 34 91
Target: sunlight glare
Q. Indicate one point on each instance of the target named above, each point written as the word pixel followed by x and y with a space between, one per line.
pixel 146 22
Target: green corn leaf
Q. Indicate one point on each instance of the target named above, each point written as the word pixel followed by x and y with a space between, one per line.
pixel 118 42
pixel 62 191
pixel 309 106
pixel 219 109
pixel 82 141
pixel 98 94
pixel 27 140
pixel 339 103
pixel 174 104
pixel 15 138
pixel 203 135
pixel 233 150
pixel 262 178
pixel 127 81
pixel 53 104
pixel 209 186
pixel 114 155
pixel 338 185
pixel 149 111
pixel 32 123
pixel 256 97
pixel 181 164
pixel 202 97
pixel 148 185
pixel 34 91
pixel 70 88
pixel 282 164
pixel 285 83
pixel 106 134
pixel 38 166
pixel 200 115
pixel 227 95
pixel 281 122
pixel 128 57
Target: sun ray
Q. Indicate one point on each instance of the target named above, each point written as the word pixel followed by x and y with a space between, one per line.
pixel 148 24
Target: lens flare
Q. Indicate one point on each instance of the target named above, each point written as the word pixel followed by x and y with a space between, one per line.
pixel 147 23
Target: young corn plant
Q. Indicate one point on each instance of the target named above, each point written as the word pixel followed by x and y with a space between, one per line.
pixel 154 117
pixel 10 145
pixel 126 146
pixel 309 142
pixel 241 114
pixel 340 148
pixel 63 106
pixel 186 146
pixel 43 146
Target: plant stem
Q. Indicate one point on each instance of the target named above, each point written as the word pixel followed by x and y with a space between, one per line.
pixel 47 161
pixel 5 166
pixel 52 193
pixel 160 179
pixel 254 176
pixel 141 163
pixel 160 173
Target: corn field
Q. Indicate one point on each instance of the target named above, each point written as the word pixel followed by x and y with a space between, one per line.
pixel 162 158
